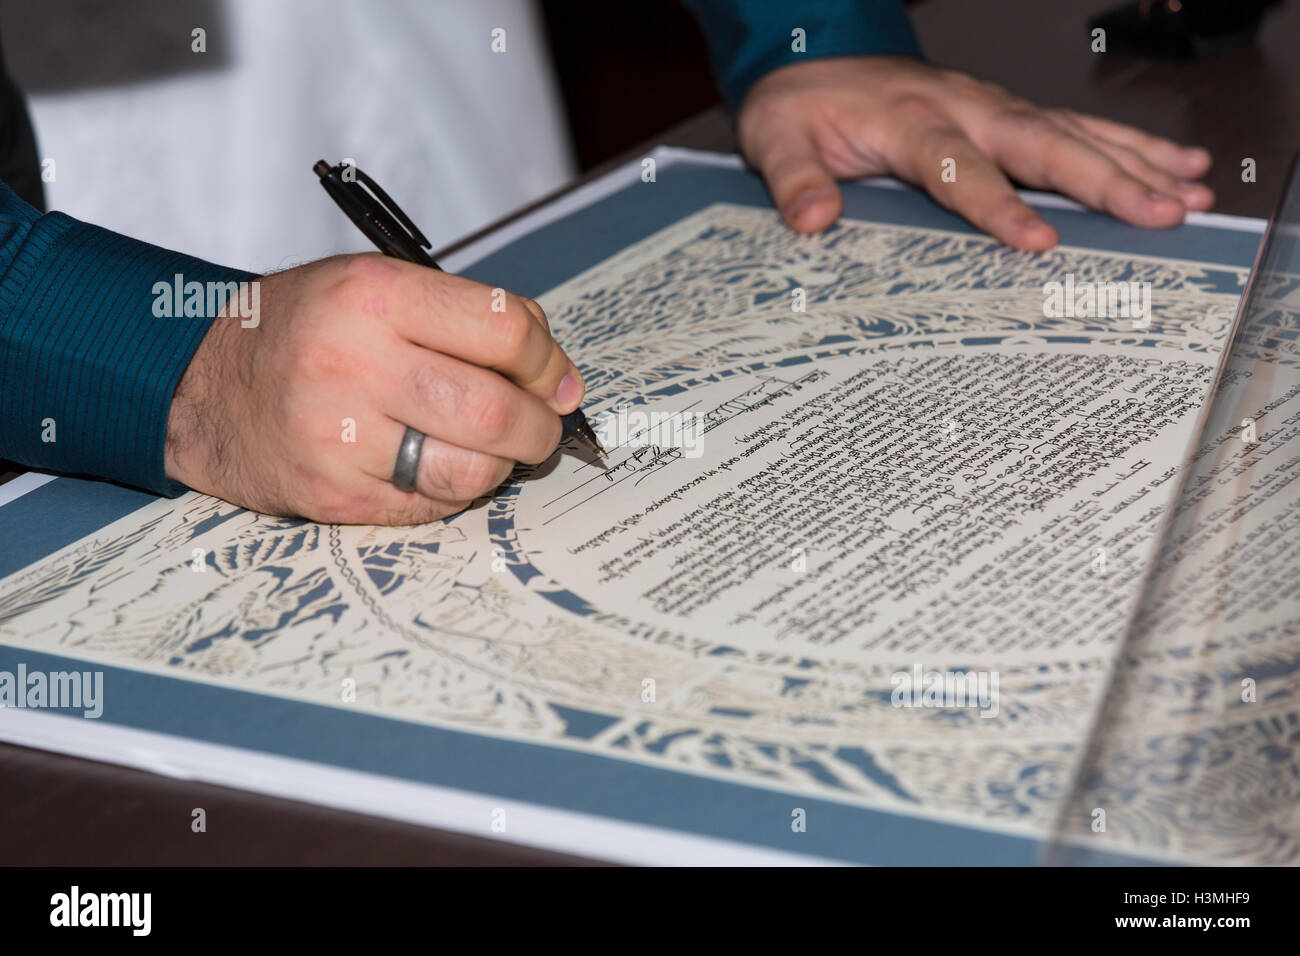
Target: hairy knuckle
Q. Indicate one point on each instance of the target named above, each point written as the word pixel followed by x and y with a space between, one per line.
pixel 368 269
pixel 359 286
pixel 433 388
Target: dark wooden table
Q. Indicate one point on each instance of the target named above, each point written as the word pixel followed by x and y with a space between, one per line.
pixel 60 810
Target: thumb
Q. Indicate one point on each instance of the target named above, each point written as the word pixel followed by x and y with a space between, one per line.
pixel 801 186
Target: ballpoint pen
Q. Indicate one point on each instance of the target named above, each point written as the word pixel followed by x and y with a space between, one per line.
pixel 393 233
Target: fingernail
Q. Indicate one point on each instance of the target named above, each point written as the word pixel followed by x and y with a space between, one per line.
pixel 1196 196
pixel 1199 157
pixel 1031 221
pixel 570 390
pixel 1156 196
pixel 805 200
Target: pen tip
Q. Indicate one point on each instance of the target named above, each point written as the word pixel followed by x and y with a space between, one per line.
pixel 577 426
pixel 588 435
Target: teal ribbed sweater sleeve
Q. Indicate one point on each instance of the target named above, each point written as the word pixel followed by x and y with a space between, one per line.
pixel 748 38
pixel 87 370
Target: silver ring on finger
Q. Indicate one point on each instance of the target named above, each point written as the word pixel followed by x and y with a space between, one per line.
pixel 408 460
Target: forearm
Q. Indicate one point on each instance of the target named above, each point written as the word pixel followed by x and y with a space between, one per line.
pixel 87 366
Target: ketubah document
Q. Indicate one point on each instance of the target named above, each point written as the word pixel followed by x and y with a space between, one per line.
pixel 884 566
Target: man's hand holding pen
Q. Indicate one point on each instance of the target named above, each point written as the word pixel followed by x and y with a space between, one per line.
pixel 304 413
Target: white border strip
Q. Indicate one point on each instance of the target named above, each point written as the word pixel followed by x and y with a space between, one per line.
pixel 24 483
pixel 529 824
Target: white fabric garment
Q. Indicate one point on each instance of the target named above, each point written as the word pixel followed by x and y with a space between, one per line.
pixel 215 159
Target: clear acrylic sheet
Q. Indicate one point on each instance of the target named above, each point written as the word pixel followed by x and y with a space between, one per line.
pixel 1195 753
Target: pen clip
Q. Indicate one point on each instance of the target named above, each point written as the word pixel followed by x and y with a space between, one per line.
pixel 374 212
pixel 391 207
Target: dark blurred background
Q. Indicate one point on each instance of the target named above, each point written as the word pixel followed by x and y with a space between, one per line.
pixel 626 71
